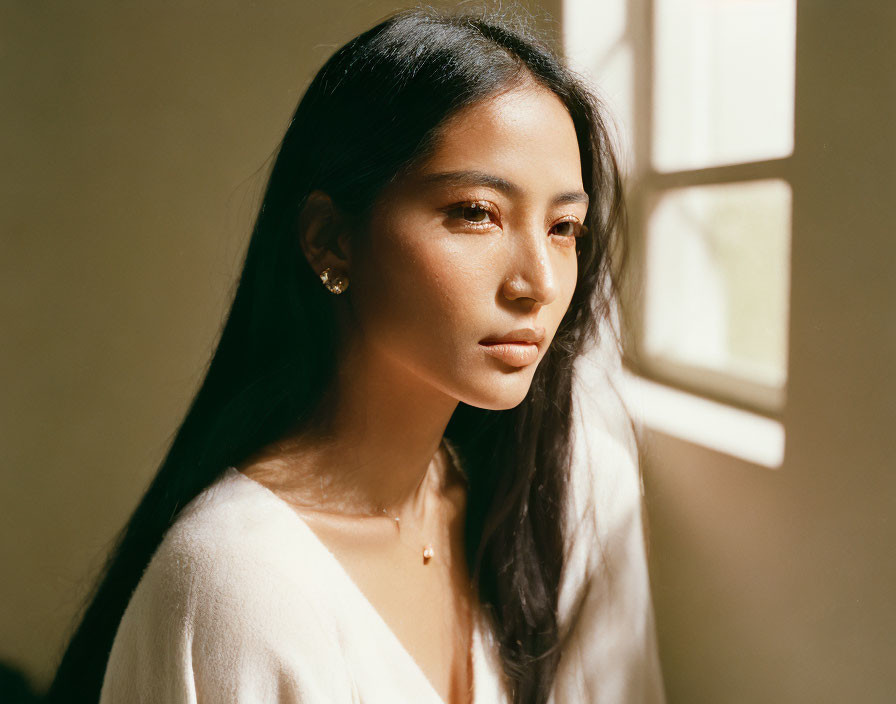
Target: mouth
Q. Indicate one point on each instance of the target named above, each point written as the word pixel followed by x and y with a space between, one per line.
pixel 518 348
pixel 515 353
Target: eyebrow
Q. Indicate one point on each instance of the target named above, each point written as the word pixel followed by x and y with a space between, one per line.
pixel 480 178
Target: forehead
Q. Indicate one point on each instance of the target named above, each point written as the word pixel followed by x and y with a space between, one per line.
pixel 524 135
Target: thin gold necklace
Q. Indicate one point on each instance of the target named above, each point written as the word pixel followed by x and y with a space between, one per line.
pixel 428 550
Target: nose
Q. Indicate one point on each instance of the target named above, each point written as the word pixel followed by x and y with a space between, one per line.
pixel 532 273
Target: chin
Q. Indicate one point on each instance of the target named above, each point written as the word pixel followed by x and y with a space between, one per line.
pixel 505 406
pixel 500 395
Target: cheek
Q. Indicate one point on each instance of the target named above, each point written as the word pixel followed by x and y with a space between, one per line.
pixel 568 283
pixel 419 298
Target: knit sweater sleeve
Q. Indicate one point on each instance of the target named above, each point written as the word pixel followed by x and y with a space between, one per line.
pixel 217 617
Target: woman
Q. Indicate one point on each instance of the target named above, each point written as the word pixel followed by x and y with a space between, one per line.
pixel 373 496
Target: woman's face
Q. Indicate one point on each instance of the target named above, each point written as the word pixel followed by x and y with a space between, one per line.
pixel 475 243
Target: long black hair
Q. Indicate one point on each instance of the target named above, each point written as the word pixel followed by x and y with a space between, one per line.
pixel 372 110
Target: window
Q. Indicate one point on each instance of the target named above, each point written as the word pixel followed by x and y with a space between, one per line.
pixel 702 92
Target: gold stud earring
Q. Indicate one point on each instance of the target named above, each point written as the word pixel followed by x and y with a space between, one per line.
pixel 334 282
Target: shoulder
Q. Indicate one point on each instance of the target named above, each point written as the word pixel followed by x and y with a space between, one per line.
pixel 228 609
pixel 604 530
pixel 606 490
pixel 228 602
pixel 234 545
pixel 606 613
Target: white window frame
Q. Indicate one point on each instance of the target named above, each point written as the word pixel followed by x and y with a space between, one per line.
pixel 732 415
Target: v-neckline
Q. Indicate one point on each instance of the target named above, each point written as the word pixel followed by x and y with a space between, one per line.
pixel 367 604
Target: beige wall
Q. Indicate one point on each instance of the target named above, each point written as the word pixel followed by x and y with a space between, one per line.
pixel 134 140
pixel 131 139
pixel 779 586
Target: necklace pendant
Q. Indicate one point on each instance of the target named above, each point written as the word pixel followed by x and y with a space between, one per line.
pixel 427 553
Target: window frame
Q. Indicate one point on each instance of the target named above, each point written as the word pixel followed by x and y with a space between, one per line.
pixel 644 186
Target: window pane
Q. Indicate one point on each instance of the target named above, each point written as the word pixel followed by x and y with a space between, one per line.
pixel 717 283
pixel 723 81
pixel 597 41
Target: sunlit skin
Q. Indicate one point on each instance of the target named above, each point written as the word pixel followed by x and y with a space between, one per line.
pixel 477 241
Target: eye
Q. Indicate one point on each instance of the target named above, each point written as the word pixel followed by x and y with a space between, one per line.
pixel 477 214
pixel 569 228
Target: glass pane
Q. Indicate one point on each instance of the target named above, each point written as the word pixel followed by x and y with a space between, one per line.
pixel 597 42
pixel 723 81
pixel 718 279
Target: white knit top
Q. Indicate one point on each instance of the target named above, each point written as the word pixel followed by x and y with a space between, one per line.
pixel 243 603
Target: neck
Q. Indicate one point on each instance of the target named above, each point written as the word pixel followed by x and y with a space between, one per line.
pixel 376 443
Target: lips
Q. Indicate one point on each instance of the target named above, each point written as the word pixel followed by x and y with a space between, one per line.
pixel 518 348
pixel 516 354
pixel 531 335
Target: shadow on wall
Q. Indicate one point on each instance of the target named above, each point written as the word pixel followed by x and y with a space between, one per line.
pixel 15 687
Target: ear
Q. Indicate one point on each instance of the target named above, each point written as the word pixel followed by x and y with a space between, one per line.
pixel 324 234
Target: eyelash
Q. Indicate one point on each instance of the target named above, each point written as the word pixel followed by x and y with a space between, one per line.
pixel 485 207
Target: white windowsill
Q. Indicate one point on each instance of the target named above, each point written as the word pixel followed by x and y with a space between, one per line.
pixel 735 432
